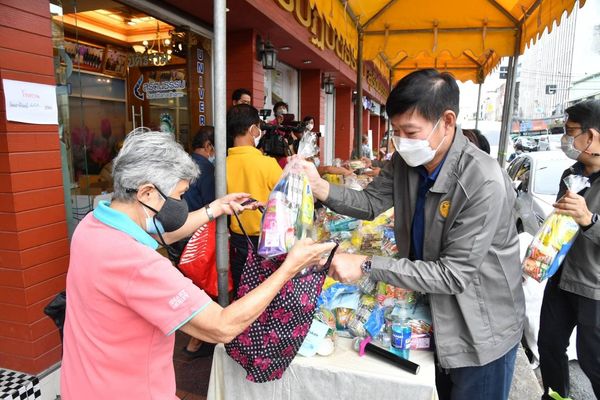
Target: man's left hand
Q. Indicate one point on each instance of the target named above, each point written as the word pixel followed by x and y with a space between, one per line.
pixel 574 205
pixel 346 268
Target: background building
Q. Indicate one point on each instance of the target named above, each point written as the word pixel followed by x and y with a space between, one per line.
pixel 586 55
pixel 545 71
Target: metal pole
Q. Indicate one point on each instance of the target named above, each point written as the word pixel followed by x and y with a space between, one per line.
pixel 220 84
pixel 388 122
pixel 507 112
pixel 359 95
pixel 478 105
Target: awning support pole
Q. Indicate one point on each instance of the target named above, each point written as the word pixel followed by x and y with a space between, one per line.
pixel 358 118
pixel 509 99
pixel 220 84
pixel 388 122
pixel 478 106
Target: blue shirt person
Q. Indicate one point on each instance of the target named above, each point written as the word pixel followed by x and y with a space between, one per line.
pixel 202 190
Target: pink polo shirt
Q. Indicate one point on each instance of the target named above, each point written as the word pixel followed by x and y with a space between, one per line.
pixel 124 302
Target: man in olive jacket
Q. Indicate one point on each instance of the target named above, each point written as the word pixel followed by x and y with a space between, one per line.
pixel 456 237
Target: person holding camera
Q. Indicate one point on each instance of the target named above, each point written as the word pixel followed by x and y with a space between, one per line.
pixel 276 140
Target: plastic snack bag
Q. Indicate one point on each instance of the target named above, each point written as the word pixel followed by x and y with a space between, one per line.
pixel 550 245
pixel 290 209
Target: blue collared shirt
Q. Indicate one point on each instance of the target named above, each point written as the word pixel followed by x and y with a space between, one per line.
pixel 418 223
pixel 202 191
pixel 122 222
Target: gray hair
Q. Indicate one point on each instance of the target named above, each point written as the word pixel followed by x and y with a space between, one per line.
pixel 150 157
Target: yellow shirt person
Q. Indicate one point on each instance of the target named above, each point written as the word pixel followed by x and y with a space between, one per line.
pixel 248 171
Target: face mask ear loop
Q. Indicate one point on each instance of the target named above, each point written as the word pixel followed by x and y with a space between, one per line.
pixel 168 247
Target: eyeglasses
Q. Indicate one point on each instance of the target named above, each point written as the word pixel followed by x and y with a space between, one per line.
pixel 571 131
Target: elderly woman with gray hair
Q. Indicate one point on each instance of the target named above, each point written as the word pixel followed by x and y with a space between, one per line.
pixel 126 300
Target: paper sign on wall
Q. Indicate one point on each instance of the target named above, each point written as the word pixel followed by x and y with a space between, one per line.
pixel 31 103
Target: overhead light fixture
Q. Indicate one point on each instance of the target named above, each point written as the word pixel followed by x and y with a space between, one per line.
pixel 328 84
pixel 266 53
pixel 138 48
pixel 285 48
pixel 307 61
pixel 130 22
pixel 158 52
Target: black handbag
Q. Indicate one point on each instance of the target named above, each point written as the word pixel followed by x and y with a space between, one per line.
pixel 56 310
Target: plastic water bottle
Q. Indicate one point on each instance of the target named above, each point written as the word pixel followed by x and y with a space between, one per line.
pixel 401 335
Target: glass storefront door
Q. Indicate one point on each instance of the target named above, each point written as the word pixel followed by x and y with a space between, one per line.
pixel 117 69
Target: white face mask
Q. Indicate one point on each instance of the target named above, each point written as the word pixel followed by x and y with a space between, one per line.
pixel 153 226
pixel 309 127
pixel 568 147
pixel 317 161
pixel 257 138
pixel 212 159
pixel 416 151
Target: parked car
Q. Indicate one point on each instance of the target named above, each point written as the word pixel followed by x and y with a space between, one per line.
pixel 528 143
pixel 555 141
pixel 536 178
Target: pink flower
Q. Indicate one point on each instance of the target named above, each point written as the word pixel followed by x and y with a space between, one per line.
pixel 308 307
pixel 270 337
pixel 244 338
pixel 282 316
pixel 235 354
pixel 287 288
pixel 277 374
pixel 264 317
pixel 304 299
pixel 243 360
pixel 288 351
pixel 243 290
pixel 262 363
pixel 300 331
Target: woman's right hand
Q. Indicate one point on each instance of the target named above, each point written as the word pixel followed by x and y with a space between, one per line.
pixel 305 252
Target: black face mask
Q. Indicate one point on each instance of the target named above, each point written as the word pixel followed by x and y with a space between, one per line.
pixel 173 213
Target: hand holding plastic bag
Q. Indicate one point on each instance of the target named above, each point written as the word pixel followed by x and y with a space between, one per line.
pixel 290 209
pixel 550 245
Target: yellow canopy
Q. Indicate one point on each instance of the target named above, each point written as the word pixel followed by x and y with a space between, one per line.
pixel 466 67
pixel 446 30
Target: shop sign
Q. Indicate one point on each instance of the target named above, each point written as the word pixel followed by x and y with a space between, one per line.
pixel 30 103
pixel 144 60
pixel 201 90
pixel 158 89
pixel 375 83
pixel 323 34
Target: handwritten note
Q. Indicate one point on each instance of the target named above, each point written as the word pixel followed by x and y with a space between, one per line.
pixel 31 103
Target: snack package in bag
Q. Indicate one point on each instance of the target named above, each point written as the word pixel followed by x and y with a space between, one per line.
pixel 290 209
pixel 550 245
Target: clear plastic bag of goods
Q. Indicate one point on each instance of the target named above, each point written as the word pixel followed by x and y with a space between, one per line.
pixel 289 215
pixel 553 240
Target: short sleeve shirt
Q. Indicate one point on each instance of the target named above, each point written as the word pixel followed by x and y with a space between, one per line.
pixel 124 302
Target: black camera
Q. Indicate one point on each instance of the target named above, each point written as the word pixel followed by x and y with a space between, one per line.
pixel 264 113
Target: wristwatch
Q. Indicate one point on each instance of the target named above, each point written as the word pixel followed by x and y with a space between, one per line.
pixel 366 265
pixel 209 213
pixel 595 218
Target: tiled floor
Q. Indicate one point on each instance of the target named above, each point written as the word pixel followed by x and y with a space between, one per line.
pixel 192 375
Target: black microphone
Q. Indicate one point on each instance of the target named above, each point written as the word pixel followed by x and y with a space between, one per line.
pixel 365 346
